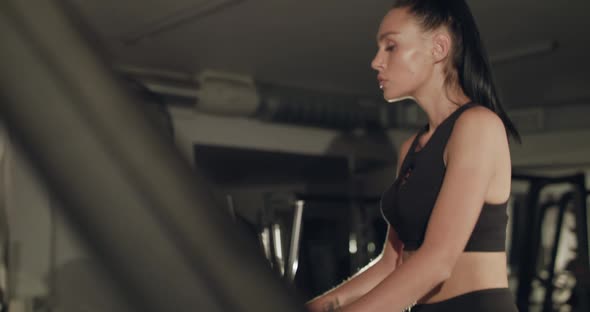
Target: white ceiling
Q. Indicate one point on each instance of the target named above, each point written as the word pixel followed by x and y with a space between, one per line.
pixel 328 44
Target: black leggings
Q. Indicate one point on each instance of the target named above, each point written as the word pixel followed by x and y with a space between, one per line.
pixel 486 300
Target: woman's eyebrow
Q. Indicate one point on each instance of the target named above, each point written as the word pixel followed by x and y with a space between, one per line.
pixel 383 35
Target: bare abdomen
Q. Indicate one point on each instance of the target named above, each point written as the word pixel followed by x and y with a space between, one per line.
pixel 473 271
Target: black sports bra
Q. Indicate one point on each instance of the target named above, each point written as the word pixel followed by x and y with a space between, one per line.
pixel 407 204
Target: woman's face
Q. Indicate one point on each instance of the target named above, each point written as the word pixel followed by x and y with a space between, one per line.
pixel 403 61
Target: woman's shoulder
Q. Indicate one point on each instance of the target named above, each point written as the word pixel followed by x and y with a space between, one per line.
pixel 478 119
pixel 478 126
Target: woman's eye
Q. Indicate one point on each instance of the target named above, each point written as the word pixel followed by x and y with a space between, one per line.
pixel 390 48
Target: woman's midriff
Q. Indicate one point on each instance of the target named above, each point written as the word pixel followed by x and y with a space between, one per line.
pixel 473 271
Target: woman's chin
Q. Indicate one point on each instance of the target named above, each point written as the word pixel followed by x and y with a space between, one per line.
pixel 396 98
pixel 392 97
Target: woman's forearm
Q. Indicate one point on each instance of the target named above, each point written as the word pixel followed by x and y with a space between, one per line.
pixel 353 288
pixel 404 286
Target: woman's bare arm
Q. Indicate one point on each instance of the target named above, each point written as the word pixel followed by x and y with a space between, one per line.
pixel 471 151
pixel 372 274
pixel 363 281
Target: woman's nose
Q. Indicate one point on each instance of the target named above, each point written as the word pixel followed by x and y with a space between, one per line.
pixel 377 63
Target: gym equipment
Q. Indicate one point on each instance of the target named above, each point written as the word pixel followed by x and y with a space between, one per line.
pixel 529 243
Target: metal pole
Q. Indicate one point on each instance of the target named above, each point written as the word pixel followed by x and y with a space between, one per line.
pixel 147 215
pixel 293 262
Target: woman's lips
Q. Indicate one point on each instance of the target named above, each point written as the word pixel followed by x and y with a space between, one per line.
pixel 382 82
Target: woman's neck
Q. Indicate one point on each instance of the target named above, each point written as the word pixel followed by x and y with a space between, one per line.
pixel 439 104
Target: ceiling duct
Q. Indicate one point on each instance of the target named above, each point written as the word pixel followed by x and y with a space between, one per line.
pixel 237 95
pixel 241 96
pixel 312 108
pixel 229 94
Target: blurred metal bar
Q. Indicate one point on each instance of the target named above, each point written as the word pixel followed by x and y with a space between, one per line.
pixel 293 262
pixel 144 211
pixel 265 240
pixel 5 167
pixel 583 261
pixel 279 255
pixel 231 207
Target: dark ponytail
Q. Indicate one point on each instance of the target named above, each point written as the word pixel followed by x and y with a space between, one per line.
pixel 470 65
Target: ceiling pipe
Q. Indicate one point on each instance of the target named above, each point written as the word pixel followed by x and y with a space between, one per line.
pixel 180 17
pixel 229 94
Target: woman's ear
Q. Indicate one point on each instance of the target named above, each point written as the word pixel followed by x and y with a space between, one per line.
pixel 441 46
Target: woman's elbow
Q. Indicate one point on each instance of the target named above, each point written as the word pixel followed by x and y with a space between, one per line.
pixel 440 270
pixel 390 259
pixel 441 263
pixel 444 273
pixel 388 264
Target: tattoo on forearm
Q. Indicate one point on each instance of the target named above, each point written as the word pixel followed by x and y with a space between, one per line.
pixel 333 306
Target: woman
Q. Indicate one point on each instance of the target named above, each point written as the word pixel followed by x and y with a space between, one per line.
pixel 446 209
